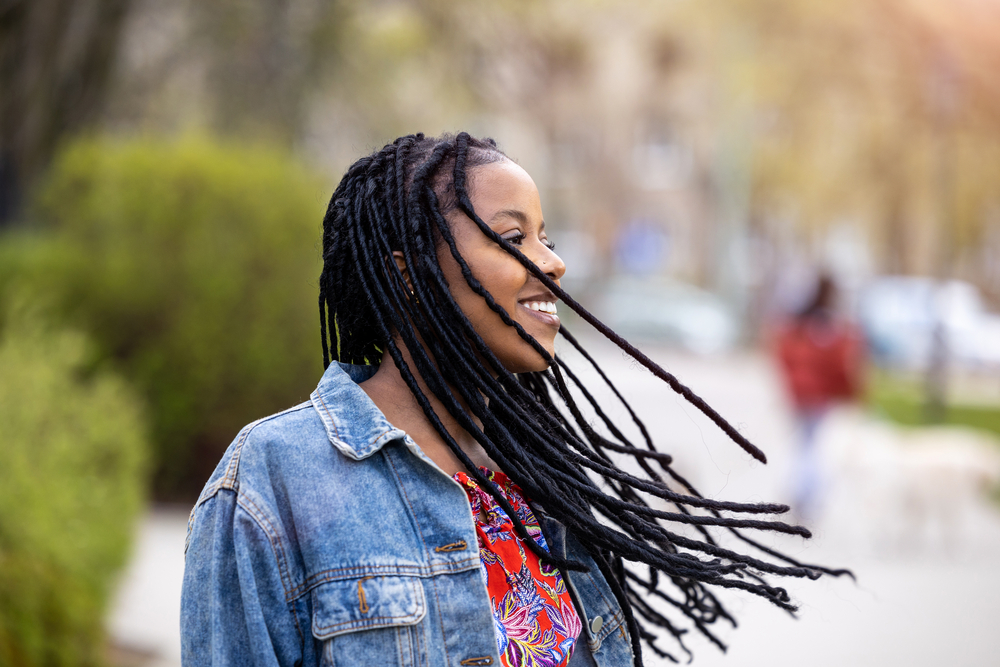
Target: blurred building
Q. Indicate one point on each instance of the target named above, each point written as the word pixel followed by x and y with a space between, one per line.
pixel 752 137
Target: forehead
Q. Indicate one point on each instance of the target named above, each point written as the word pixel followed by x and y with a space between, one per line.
pixel 504 186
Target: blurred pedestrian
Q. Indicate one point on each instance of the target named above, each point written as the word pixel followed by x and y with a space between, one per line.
pixel 820 355
pixel 442 499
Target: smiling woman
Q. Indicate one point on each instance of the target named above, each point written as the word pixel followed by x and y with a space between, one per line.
pixel 441 499
pixel 506 198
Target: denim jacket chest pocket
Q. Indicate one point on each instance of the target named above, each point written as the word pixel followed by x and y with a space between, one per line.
pixel 371 620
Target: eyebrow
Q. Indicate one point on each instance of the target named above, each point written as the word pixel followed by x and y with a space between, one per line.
pixel 516 214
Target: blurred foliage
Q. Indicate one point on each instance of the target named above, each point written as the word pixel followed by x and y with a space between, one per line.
pixel 193 266
pixel 72 479
pixel 904 401
pixel 353 72
pixel 799 115
pixel 883 111
pixel 263 59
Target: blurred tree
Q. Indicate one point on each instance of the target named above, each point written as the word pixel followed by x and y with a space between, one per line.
pixel 295 71
pixel 265 60
pixel 193 266
pixel 886 112
pixel 56 57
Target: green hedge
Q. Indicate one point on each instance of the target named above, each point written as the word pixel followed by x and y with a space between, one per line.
pixel 194 267
pixel 72 477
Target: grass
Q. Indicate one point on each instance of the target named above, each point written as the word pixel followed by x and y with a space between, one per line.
pixel 901 399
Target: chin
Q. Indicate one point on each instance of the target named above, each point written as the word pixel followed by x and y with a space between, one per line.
pixel 530 361
pixel 536 368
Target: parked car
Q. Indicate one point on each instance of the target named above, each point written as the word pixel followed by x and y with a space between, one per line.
pixel 899 315
pixel 668 311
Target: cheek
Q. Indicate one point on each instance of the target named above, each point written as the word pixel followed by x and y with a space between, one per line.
pixel 500 275
pixel 504 288
pixel 473 305
pixel 504 278
pixel 505 284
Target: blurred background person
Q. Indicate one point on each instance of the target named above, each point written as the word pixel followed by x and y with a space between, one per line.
pixel 820 355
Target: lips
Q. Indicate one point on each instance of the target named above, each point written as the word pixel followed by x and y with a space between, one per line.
pixel 541 307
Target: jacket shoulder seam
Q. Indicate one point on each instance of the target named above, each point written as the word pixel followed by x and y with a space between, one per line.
pixel 229 480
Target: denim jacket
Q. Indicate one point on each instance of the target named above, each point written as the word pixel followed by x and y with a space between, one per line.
pixel 326 537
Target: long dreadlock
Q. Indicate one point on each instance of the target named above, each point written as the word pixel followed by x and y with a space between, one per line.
pixel 396 200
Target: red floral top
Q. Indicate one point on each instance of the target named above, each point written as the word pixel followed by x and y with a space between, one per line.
pixel 535 622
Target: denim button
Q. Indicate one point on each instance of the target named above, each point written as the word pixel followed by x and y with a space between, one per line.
pixel 596 624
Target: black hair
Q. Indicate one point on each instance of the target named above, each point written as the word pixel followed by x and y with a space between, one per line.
pixel 822 300
pixel 533 427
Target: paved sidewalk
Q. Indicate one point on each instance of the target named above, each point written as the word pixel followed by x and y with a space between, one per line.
pixel 904 509
pixel 145 620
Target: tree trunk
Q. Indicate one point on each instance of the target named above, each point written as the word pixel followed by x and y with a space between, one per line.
pixel 56 58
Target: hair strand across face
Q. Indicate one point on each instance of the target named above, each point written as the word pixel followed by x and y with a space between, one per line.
pixel 397 199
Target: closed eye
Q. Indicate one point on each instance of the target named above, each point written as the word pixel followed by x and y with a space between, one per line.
pixel 518 239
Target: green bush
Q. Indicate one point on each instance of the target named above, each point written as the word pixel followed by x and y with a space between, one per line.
pixel 193 265
pixel 72 475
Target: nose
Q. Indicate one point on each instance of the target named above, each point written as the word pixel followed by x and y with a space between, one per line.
pixel 550 262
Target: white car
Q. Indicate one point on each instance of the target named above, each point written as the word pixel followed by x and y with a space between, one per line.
pixel 900 314
pixel 663 310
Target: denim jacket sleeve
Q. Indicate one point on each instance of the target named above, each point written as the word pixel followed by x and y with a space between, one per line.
pixel 233 607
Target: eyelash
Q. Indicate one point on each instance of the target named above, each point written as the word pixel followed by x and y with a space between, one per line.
pixel 518 238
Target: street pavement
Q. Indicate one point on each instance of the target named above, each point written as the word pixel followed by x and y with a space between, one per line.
pixel 907 510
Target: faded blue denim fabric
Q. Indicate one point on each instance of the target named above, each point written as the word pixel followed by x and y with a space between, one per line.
pixel 326 537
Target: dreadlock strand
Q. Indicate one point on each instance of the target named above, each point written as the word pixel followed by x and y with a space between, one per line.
pixel 465 204
pixel 643 463
pixel 396 200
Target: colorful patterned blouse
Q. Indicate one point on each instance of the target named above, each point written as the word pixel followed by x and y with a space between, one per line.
pixel 535 622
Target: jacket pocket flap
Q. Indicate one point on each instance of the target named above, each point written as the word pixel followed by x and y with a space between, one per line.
pixel 367 602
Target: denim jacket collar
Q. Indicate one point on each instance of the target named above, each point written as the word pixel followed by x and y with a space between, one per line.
pixel 355 426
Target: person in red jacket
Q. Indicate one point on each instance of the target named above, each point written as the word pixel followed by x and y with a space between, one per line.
pixel 821 357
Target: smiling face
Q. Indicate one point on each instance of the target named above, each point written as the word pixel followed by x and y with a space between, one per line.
pixel 505 197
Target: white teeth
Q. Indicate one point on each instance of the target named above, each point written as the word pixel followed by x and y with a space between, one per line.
pixel 541 306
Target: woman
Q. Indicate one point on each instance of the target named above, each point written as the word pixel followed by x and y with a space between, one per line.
pixel 438 500
pixel 821 358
